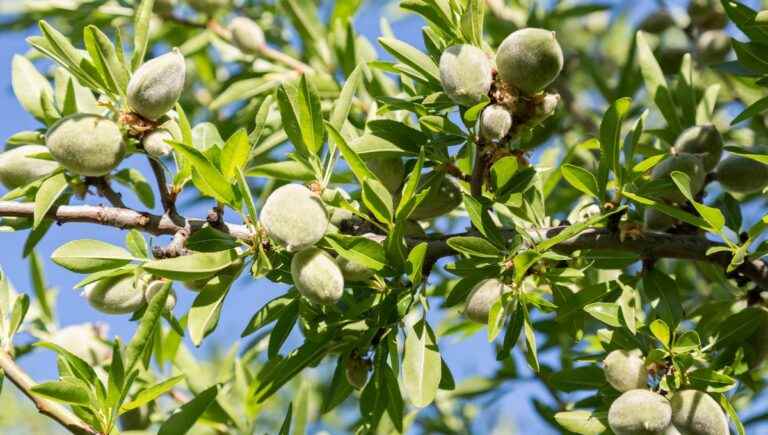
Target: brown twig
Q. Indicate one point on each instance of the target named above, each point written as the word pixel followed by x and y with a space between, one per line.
pixel 51 409
pixel 166 197
pixel 105 190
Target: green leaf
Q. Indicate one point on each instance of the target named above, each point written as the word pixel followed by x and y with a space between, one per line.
pixel 745 19
pixel 356 164
pixel 661 331
pixel 302 117
pixel 713 216
pixel 210 180
pixel 149 320
pixel 662 293
pixel 267 314
pixel 610 133
pixel 87 255
pixel 80 368
pixel 575 229
pixel 711 381
pixel 65 391
pixel 136 244
pixel 285 428
pixel 578 378
pixel 360 250
pixel 274 376
pixel 474 247
pixel 234 155
pixel 29 85
pixel 39 286
pixel 406 205
pixel 605 312
pixel 151 393
pixel 141 19
pixel 503 171
pixel 181 422
pixel 414 58
pixel 753 110
pixel 135 180
pixel 730 410
pixel 581 179
pixel 582 422
pixel 670 210
pixel 206 309
pixel 472 22
pixel 209 239
pixel 421 365
pixel 343 103
pixel 113 72
pixel 49 192
pixel 192 267
pixel 415 263
pixel 531 352
pixel 656 84
pixel 378 200
pixel 283 328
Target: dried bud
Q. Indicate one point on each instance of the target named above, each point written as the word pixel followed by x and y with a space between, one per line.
pixel 157 84
pixel 625 370
pixel 704 140
pixel 246 35
pixel 529 59
pixel 739 174
pixel 639 412
pixel 696 412
pixel 89 145
pixel 390 171
pixel 294 216
pixel 482 297
pixel 154 287
pixel 317 276
pixel 465 73
pixel 689 164
pixel 116 295
pixel 156 143
pixel 18 167
pixel 495 122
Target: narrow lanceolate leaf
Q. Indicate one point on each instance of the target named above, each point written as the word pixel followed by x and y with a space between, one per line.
pixel 141 20
pixel 412 57
pixel 211 181
pixel 151 393
pixel 302 117
pixel 140 340
pixel 356 164
pixel 39 286
pixel 342 104
pixel 49 192
pixel 474 246
pixel 655 83
pixel 610 133
pixel 114 73
pixel 65 391
pixel 191 267
pixel 581 179
pixel 575 229
pixel 378 200
pixel 234 155
pixel 713 216
pixel 182 421
pixel 663 294
pixel 206 309
pixel 89 255
pixel 421 365
pixel 283 328
pixel 583 422
pixel 28 85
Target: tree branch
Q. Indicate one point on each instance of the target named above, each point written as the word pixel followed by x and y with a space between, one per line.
pixel 51 409
pixel 105 190
pixel 650 245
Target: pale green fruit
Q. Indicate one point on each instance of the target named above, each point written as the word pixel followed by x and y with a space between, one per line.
pixel 157 84
pixel 495 122
pixel 154 287
pixel 390 171
pixel 657 21
pixel 697 413
pixel 246 35
pixel 209 6
pixel 529 59
pixel 655 220
pixel 443 197
pixel 482 297
pixel 689 164
pixel 739 174
pixel 639 412
pixel 317 276
pixel 84 340
pixel 19 168
pixel 117 295
pixel 356 371
pixel 625 369
pixel 294 217
pixel 713 46
pixel 704 140
pixel 156 143
pixel 466 74
pixel 89 145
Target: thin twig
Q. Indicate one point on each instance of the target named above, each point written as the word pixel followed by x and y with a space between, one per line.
pixel 105 190
pixel 46 407
pixel 166 198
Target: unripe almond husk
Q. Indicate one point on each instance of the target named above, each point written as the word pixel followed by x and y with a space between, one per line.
pixel 18 167
pixel 246 35
pixel 317 276
pixel 466 74
pixel 84 144
pixel 739 174
pixel 529 59
pixel 117 295
pixel 638 412
pixel 482 297
pixel 625 369
pixel 156 86
pixel 294 216
pixel 696 412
